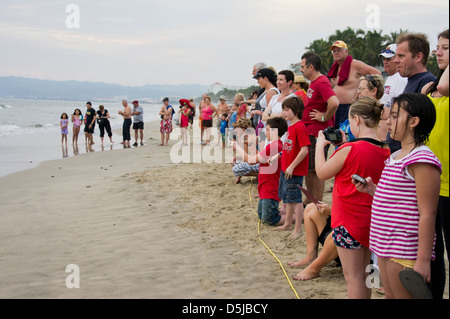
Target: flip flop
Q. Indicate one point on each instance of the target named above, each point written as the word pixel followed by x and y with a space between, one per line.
pixel 415 284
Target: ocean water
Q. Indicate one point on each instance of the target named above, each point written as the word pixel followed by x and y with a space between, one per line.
pixel 30 131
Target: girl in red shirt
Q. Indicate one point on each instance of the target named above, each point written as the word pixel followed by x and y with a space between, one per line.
pixel 350 215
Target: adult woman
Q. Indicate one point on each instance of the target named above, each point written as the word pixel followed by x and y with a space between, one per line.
pixel 350 217
pixel 208 113
pixel 267 80
pixel 439 137
pixel 103 123
pixel 373 86
pixel 285 80
pixel 77 119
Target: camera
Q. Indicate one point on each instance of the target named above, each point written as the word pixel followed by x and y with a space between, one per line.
pixel 333 135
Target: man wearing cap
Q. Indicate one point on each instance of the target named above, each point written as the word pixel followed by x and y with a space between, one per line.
pixel 166 113
pixel 345 76
pixel 395 83
pixel 138 122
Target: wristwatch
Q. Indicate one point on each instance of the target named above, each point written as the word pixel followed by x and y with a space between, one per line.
pixel 323 118
pixel 269 112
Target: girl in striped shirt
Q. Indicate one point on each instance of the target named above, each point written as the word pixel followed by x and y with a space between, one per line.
pixel 402 230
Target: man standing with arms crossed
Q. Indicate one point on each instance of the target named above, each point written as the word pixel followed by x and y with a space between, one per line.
pixel 345 76
pixel 321 104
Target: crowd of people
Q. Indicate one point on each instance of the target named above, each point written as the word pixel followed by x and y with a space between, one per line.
pixel 389 162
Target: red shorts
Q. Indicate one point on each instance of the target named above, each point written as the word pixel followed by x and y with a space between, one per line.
pixel 166 126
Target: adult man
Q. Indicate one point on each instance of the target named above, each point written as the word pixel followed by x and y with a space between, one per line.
pixel 394 85
pixel 411 60
pixel 126 114
pixel 166 113
pixel 138 122
pixel 89 124
pixel 321 104
pixel 222 108
pixel 345 76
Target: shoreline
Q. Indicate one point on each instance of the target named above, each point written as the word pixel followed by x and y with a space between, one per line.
pixel 139 226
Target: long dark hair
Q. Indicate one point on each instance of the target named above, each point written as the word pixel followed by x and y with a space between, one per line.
pixel 433 87
pixel 416 104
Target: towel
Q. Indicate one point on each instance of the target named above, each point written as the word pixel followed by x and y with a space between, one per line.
pixel 344 72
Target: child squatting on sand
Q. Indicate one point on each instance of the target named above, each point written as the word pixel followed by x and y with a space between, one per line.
pixel 269 173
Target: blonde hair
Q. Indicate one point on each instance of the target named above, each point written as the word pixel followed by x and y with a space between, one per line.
pixel 375 81
pixel 101 108
pixel 240 96
pixel 369 109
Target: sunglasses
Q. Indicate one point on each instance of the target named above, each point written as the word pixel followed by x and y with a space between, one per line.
pixel 387 51
pixel 371 80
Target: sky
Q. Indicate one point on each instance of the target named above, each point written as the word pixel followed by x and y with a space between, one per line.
pixel 139 42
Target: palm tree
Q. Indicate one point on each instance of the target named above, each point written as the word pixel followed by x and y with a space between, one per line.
pixel 322 49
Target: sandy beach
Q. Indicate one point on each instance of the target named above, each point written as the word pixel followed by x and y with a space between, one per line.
pixel 138 226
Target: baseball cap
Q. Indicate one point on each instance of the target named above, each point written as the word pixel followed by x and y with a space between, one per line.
pixel 269 73
pixel 339 44
pixel 135 102
pixel 223 97
pixel 389 52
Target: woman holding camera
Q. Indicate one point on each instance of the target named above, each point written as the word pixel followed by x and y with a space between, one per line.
pixel 350 216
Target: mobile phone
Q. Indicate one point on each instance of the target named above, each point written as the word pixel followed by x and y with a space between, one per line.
pixel 359 179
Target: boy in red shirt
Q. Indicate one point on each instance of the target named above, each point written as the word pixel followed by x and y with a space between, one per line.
pixel 269 172
pixel 294 164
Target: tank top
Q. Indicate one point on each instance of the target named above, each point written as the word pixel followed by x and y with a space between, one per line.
pixel 207 113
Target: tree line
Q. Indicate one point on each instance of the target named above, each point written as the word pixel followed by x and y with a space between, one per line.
pixel 362 45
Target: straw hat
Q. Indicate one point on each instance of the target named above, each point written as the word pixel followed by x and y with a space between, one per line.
pixel 243 123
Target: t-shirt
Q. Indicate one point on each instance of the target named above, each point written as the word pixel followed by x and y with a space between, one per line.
pixel 233 119
pixel 90 113
pixel 351 208
pixel 140 117
pixel 418 81
pixel 439 139
pixel 269 175
pixel 296 138
pixel 319 92
pixel 393 87
pixel 223 126
pixel 394 228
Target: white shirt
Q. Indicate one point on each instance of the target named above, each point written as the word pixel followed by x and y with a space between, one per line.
pixel 393 87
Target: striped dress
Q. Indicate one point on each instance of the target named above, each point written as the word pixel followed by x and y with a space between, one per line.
pixel 394 228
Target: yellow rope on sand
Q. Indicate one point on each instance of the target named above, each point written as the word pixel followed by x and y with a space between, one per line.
pixel 265 245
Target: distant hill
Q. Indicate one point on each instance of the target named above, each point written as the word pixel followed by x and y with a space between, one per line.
pixel 24 88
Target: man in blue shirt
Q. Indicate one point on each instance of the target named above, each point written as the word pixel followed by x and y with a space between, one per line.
pixel 413 50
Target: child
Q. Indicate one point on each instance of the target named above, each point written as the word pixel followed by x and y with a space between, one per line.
pixel 402 229
pixel 269 172
pixel 223 128
pixel 350 215
pixel 77 119
pixel 64 123
pixel 294 164
pixel 232 120
pixel 184 120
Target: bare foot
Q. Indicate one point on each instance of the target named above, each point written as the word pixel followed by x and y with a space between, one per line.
pixel 306 274
pixel 161 144
pixel 295 235
pixel 301 263
pixel 284 227
pixel 238 180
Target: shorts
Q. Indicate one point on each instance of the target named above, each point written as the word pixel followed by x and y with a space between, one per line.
pixel 166 126
pixel 324 235
pixel 89 130
pixel 343 239
pixel 312 153
pixel 207 123
pixel 223 137
pixel 244 168
pixel 268 211
pixel 341 114
pixel 138 125
pixel 288 191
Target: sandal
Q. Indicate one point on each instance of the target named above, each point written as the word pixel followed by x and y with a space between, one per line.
pixel 415 284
